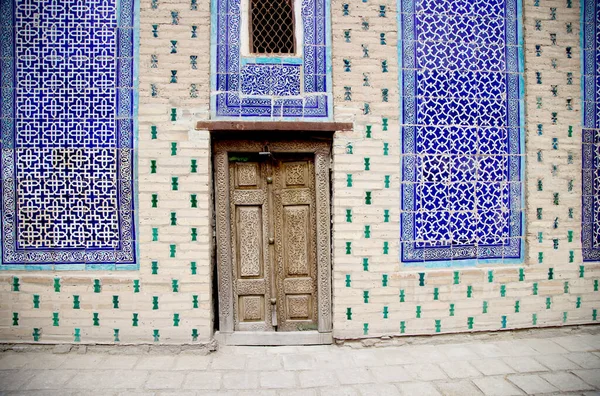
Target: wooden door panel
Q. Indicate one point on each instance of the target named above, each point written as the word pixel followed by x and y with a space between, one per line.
pixel 295 249
pixel 296 231
pixel 249 240
pixel 252 308
pixel 299 307
pixel 249 208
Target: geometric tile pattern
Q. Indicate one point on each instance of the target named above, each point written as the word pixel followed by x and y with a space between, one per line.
pixel 68 134
pixel 462 132
pixel 294 86
pixel 591 130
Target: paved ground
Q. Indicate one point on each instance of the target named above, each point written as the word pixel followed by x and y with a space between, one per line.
pixel 559 361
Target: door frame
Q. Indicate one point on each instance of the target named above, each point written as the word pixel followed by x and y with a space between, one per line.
pixel 321 150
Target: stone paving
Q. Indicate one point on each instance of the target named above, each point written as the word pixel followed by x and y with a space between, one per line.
pixel 544 361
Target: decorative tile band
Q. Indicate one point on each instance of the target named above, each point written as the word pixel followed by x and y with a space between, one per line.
pixel 590 41
pixel 462 132
pixel 271 87
pixel 68 129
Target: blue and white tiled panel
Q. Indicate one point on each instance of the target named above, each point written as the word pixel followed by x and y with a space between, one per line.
pixel 591 130
pixel 462 133
pixel 67 135
pixel 266 87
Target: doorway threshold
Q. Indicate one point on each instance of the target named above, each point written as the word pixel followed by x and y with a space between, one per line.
pixel 269 338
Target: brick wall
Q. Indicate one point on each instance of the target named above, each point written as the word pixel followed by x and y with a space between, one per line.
pixel 169 300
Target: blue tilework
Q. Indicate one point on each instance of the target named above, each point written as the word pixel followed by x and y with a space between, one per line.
pixel 271 87
pixel 590 35
pixel 462 132
pixel 68 126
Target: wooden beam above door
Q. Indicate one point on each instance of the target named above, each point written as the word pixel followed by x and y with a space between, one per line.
pixel 230 126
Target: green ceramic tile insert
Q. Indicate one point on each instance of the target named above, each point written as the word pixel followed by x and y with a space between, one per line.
pixel 195 301
pixel 154 302
pixel 136 285
pixel 193 201
pixel 56 285
pixel 36 334
pixel 194 234
pixel 15 319
pixel 385 312
pixel 194 334
pixel 365 264
pixel 96 319
pixel 402 295
pixel 366 296
pixel 348 281
pixel 97 286
pixel 76 335
pixel 175 285
pixel 76 302
pixel 134 320
pixel 348 313
pixel 115 300
pixel 176 320
pixel 15 284
pixel 194 166
pixel 36 301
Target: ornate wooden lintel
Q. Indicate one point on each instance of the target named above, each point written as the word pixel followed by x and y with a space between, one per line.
pixel 239 126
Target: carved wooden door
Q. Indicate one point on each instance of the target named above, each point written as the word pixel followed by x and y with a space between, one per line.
pixel 273 242
pixel 294 233
pixel 249 201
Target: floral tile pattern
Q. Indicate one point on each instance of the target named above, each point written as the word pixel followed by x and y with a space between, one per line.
pixel 591 130
pixel 67 111
pixel 461 138
pixel 271 87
